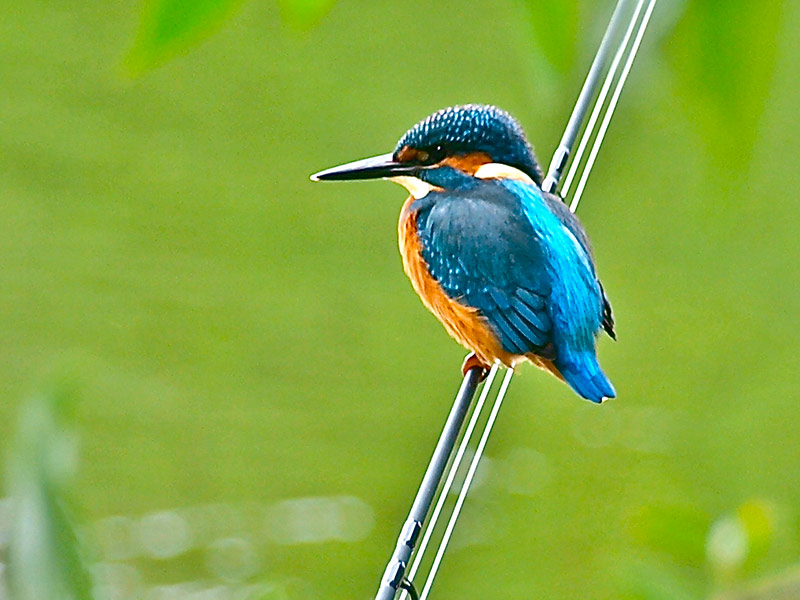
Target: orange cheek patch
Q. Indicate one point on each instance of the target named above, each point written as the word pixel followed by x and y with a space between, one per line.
pixel 467 163
pixel 407 154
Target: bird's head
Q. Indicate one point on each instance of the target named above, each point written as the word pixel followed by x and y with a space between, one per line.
pixel 445 148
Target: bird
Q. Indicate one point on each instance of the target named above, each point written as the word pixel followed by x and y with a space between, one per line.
pixel 505 266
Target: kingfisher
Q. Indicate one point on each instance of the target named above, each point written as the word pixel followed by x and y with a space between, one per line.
pixel 505 266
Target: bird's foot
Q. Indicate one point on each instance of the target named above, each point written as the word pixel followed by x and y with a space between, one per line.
pixel 471 362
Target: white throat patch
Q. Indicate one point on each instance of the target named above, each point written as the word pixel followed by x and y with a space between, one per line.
pixel 416 187
pixel 501 171
pixel 419 189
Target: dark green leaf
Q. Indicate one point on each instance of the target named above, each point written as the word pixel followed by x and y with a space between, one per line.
pixel 677 531
pixel 554 29
pixel 723 53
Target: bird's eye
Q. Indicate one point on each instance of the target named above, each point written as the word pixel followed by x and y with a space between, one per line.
pixel 432 155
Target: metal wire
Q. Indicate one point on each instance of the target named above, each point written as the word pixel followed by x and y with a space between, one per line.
pixel 462 494
pixel 451 475
pixel 612 106
pixel 564 149
pixel 394 578
pixel 394 574
pixel 601 100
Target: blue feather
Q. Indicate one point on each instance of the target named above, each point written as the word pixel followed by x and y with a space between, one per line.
pixel 484 269
pixel 530 308
pixel 575 300
pixel 500 246
pixel 584 375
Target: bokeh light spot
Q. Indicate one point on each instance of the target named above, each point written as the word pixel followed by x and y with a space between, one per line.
pixel 313 520
pixel 115 537
pixel 727 544
pixel 232 559
pixel 163 535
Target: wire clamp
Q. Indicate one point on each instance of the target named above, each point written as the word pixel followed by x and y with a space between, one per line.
pixel 408 586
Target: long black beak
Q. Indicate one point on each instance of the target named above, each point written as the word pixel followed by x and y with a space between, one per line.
pixel 376 167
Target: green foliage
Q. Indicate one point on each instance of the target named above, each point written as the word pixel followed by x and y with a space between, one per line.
pixel 170 27
pixel 759 523
pixel 723 55
pixel 554 28
pixel 687 542
pixel 652 580
pixel 678 531
pixel 304 14
pixel 45 557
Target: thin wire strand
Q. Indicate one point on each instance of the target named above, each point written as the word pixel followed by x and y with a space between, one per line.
pixel 462 494
pixel 509 374
pixel 600 101
pixel 451 475
pixel 612 106
pixel 562 152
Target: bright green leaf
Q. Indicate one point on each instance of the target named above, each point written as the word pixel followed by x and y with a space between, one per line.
pixel 759 521
pixel 170 27
pixel 304 14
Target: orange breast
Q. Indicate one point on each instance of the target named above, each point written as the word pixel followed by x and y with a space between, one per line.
pixel 462 322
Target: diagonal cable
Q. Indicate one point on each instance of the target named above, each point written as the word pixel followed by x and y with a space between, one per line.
pixel 394 576
pixel 510 372
pixel 451 475
pixel 600 101
pixel 462 494
pixel 612 106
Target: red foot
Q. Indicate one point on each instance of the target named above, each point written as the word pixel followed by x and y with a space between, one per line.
pixel 472 361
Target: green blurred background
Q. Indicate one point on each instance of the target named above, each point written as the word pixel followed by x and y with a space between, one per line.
pixel 259 389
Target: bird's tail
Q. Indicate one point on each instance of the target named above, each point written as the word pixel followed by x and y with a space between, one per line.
pixel 584 375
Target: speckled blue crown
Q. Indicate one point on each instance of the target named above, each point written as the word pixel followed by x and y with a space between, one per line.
pixel 476 128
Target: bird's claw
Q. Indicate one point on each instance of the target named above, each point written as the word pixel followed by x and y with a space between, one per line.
pixel 471 362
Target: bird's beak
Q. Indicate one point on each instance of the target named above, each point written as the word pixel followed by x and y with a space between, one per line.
pixel 377 167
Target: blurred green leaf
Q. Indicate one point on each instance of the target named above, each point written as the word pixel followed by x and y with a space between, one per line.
pixel 784 586
pixel 678 531
pixel 650 580
pixel 304 14
pixel 44 554
pixel 554 28
pixel 724 56
pixel 170 27
pixel 759 521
